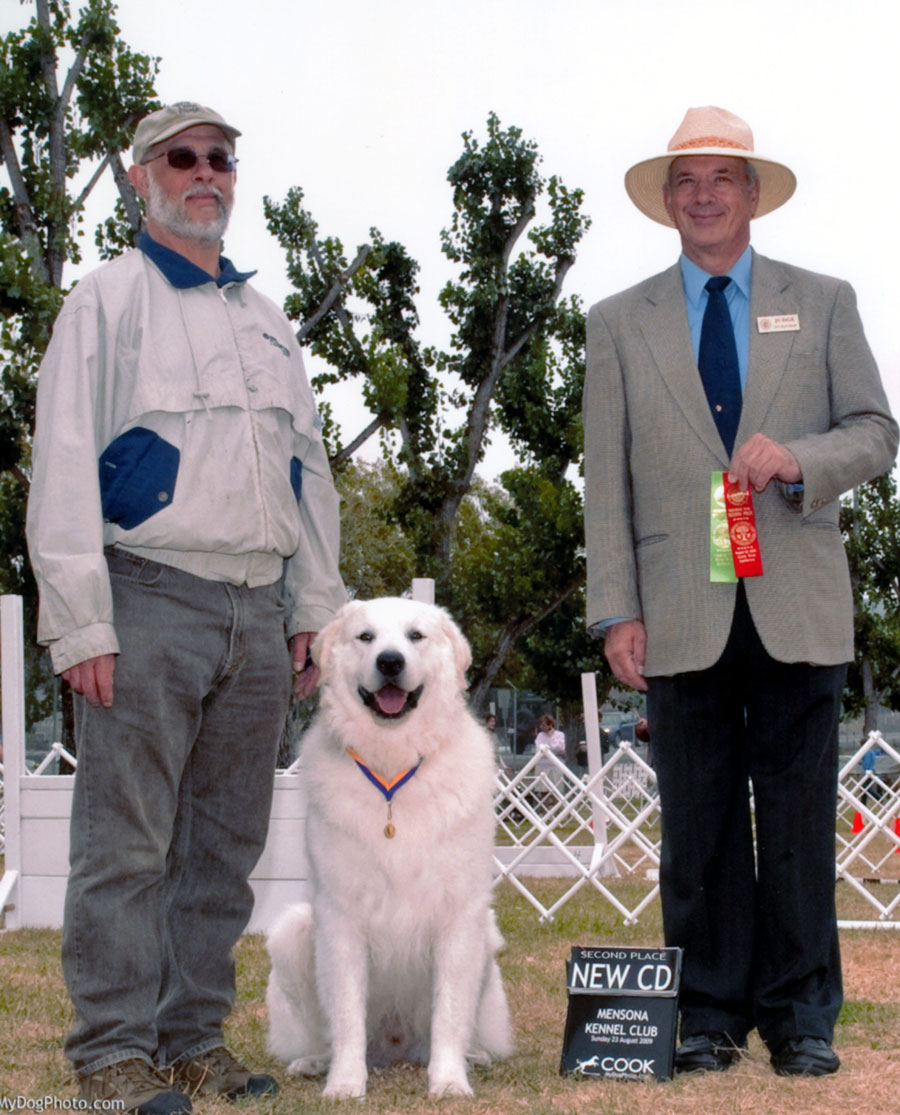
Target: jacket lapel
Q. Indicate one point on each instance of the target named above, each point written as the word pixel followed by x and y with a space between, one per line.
pixel 663 322
pixel 769 352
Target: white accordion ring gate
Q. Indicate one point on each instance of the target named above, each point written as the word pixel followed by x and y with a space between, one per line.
pixel 600 830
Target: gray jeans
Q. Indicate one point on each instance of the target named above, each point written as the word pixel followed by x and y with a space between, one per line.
pixel 170 812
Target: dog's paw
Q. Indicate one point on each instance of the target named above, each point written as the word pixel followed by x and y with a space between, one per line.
pixel 313 1065
pixel 479 1057
pixel 345 1086
pixel 449 1087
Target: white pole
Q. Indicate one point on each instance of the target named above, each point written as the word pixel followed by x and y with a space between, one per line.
pixel 423 590
pixel 595 762
pixel 12 678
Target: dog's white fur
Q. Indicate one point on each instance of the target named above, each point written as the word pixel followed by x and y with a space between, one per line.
pixel 394 958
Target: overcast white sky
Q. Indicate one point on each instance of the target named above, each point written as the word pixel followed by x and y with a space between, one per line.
pixel 363 102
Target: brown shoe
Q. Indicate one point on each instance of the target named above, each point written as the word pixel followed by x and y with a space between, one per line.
pixel 137 1085
pixel 218 1073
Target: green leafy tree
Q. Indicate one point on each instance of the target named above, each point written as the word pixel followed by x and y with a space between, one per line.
pixel 377 559
pixel 494 581
pixel 871 526
pixel 70 94
pixel 503 558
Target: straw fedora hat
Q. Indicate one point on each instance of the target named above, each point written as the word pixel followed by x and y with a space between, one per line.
pixel 708 131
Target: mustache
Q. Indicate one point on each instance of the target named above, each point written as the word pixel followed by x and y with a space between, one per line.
pixel 197 191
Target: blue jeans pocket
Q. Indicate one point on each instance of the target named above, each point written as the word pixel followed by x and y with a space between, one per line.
pixel 131 567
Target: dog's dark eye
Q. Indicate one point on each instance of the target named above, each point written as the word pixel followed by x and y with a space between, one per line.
pixel 414 636
pixel 365 636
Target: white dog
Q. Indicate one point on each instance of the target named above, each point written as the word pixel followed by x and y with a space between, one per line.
pixel 394 958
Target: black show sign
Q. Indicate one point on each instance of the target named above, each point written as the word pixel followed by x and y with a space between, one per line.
pixel 622 1012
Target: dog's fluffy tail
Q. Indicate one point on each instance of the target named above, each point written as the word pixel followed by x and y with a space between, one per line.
pixel 297 1028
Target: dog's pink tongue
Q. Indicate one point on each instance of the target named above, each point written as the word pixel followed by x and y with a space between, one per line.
pixel 391 699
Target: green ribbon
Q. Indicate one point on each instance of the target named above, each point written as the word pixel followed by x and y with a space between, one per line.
pixel 721 563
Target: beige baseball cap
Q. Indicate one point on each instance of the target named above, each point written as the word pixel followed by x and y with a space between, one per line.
pixel 708 131
pixel 172 119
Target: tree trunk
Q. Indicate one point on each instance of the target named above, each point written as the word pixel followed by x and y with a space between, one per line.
pixel 510 634
pixel 871 696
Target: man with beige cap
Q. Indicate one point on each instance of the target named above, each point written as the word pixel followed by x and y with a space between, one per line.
pixel 183 529
pixel 730 374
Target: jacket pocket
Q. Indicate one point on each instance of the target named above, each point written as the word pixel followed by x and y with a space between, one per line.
pixel 137 477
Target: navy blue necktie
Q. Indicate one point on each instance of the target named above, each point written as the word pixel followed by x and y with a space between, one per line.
pixel 718 362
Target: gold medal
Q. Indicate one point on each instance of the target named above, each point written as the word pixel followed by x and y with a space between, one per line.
pixel 387 788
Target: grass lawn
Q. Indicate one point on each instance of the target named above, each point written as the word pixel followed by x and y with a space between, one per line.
pixel 35 1013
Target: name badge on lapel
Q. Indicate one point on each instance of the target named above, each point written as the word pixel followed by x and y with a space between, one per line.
pixel 779 323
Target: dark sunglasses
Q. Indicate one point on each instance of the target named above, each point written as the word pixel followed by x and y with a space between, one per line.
pixel 186 158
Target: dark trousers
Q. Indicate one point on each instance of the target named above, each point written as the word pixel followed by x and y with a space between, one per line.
pixel 759 931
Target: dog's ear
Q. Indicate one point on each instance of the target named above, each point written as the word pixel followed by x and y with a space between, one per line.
pixel 321 646
pixel 462 654
pixel 324 641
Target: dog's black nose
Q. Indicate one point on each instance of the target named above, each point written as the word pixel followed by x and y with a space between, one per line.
pixel 390 663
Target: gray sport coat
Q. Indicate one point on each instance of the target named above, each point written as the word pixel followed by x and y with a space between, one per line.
pixel 651 445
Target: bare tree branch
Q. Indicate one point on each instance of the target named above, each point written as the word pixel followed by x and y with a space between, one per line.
pixel 360 438
pixel 522 223
pixel 73 75
pixel 94 179
pixel 337 289
pixel 126 190
pixel 513 630
pixel 479 414
pixel 25 219
pixel 339 310
pixel 481 403
pixel 527 333
pixel 48 64
pixel 57 140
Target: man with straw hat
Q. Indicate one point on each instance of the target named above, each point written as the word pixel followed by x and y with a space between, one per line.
pixel 726 377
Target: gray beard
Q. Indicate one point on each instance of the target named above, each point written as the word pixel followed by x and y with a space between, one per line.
pixel 172 218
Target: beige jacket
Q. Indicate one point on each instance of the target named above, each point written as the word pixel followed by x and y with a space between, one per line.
pixel 212 379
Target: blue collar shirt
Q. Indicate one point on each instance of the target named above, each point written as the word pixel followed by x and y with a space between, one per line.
pixel 183 274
